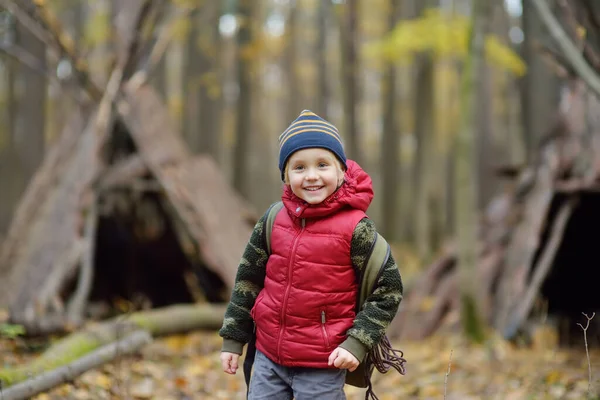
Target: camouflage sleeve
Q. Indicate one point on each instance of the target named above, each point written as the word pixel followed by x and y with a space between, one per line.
pixel 381 306
pixel 237 324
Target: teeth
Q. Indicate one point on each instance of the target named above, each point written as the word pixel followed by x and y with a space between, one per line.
pixel 313 189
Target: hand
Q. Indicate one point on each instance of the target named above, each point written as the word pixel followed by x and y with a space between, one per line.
pixel 229 361
pixel 343 359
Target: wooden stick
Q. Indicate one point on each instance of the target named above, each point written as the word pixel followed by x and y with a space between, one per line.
pixel 587 74
pixel 543 266
pixel 160 46
pixel 78 301
pixel 47 380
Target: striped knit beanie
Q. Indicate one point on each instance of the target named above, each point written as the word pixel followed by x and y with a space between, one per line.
pixel 308 131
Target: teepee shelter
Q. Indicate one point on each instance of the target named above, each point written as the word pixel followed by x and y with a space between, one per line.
pixel 119 208
pixel 154 221
pixel 538 251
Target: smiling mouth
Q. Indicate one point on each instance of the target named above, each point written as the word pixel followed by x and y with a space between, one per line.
pixel 313 189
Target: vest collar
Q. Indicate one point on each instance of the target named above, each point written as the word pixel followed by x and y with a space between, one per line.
pixel 355 192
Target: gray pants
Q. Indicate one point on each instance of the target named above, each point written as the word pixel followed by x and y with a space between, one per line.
pixel 271 381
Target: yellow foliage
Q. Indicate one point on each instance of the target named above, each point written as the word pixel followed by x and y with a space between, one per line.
pixel 180 30
pixel 443 36
pixel 97 30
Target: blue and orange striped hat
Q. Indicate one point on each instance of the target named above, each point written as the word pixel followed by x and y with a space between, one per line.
pixel 308 131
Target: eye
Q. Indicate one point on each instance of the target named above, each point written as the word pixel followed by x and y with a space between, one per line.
pixel 298 167
pixel 323 165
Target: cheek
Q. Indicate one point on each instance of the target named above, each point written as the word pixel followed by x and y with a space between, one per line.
pixel 294 182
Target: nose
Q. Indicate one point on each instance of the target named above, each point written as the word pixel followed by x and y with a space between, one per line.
pixel 311 174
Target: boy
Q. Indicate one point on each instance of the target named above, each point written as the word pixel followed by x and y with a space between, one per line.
pixel 302 297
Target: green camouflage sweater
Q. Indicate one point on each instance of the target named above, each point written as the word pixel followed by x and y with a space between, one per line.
pixel 370 323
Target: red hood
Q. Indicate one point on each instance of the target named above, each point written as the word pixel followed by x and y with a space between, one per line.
pixel 356 192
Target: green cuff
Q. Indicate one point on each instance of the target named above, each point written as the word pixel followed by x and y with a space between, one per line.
pixel 232 346
pixel 355 347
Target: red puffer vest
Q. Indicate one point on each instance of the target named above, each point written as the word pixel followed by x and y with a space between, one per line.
pixel 309 298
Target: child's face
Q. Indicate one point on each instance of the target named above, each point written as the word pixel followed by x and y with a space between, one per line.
pixel 314 174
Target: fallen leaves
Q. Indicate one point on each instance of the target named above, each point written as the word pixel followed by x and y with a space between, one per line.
pixel 187 367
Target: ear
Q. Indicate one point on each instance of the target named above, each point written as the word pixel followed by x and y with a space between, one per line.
pixel 342 174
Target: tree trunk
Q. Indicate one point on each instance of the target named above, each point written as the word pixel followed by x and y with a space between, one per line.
pixel 158 322
pixel 466 203
pixel 244 120
pixel 28 135
pixel 424 131
pixel 323 92
pixel 539 89
pixel 290 61
pixel 391 170
pixel 350 78
pixel 209 114
pixel 22 149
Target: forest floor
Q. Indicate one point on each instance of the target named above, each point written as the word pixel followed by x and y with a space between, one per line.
pixel 442 367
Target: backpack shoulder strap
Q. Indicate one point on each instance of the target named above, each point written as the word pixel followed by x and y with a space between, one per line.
pixel 379 256
pixel 269 221
pixel 251 350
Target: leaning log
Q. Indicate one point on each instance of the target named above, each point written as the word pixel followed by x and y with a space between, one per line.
pixel 221 223
pixel 66 373
pixel 521 234
pixel 43 184
pixel 158 322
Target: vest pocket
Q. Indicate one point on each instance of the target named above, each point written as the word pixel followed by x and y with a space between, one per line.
pixel 256 302
pixel 324 329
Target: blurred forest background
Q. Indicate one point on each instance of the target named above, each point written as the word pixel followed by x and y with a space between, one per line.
pixel 471 116
pixel 387 73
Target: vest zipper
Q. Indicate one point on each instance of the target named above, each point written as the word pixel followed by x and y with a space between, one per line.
pixel 287 290
pixel 325 335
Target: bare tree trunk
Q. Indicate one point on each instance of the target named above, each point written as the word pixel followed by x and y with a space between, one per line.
pixel 488 153
pixel 201 115
pixel 209 116
pixel 539 89
pixel 466 202
pixel 291 60
pixel 424 131
pixel 24 141
pixel 391 170
pixel 323 78
pixel 244 120
pixel 28 136
pixel 11 173
pixel 350 77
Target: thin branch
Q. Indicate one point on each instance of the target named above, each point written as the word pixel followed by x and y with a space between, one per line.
pixel 160 46
pixel 587 352
pixel 135 42
pixel 55 37
pixel 77 303
pixel 447 374
pixel 65 46
pixel 559 60
pixel 543 265
pixel 569 49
